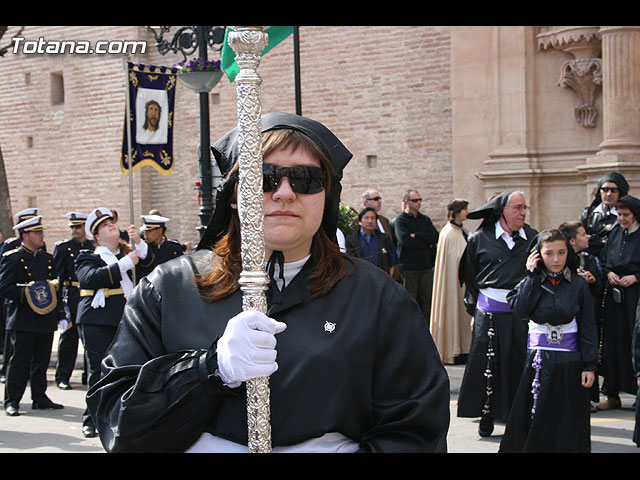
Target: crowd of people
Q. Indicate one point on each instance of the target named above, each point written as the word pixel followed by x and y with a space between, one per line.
pixel 358 326
pixel 79 290
pixel 535 317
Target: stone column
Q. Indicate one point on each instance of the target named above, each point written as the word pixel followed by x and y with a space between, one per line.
pixel 621 93
pixel 619 150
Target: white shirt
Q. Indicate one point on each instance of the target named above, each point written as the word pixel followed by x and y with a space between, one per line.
pixel 500 232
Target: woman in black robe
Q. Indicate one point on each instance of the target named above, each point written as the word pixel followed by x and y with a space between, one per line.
pixel 550 412
pixel 621 262
pixel 356 367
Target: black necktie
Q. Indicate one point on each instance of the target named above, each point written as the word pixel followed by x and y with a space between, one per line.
pixel 516 237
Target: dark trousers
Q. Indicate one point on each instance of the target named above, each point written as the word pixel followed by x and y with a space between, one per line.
pixel 96 340
pixel 419 284
pixel 67 353
pixel 29 360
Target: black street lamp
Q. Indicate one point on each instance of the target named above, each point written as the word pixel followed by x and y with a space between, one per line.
pixel 186 40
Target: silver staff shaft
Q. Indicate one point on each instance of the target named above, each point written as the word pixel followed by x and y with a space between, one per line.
pixel 248 44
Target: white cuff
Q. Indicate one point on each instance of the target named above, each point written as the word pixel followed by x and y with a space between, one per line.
pixel 142 248
pixel 125 263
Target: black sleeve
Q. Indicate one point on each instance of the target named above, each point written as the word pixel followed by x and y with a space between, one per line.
pixel 587 330
pixel 635 344
pixel 59 262
pixel 467 272
pixel 9 280
pixel 430 237
pixel 420 240
pixel 411 412
pixel 93 273
pixel 525 296
pixel 148 399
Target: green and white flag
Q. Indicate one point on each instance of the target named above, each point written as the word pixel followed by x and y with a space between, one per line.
pixel 228 56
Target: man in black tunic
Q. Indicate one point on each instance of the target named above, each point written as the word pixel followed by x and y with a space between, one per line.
pixel 491 265
pixel 600 217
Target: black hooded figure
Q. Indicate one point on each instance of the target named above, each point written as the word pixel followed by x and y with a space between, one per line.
pixel 490 267
pixel 597 219
pixel 620 258
pixel 356 368
pixel 551 409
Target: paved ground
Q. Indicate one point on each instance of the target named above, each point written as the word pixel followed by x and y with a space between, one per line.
pixel 50 431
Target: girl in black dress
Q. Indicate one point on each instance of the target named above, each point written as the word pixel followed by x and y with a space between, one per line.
pixel 551 409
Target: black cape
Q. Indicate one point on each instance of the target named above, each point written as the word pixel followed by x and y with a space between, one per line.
pixel 596 225
pixel 622 256
pixel 488 262
pixel 375 378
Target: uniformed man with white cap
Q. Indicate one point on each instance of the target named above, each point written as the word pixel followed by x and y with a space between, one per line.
pixel 28 281
pixel 12 243
pixel 106 280
pixel 65 254
pixel 154 228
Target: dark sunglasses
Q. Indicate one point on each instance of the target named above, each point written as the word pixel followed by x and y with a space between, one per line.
pixel 302 179
pixel 415 200
pixel 375 198
pixel 610 189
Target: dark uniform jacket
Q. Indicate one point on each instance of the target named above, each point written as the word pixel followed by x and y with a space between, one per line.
pixel 65 255
pixel 167 250
pixel 19 267
pixel 374 375
pixel 93 274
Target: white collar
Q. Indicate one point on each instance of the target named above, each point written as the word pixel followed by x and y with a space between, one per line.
pixel 291 269
pixel 501 231
pixel 600 209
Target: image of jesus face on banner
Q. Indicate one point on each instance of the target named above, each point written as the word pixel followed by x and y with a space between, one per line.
pixel 152 107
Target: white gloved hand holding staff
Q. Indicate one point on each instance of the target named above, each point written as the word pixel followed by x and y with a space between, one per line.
pixel 247 349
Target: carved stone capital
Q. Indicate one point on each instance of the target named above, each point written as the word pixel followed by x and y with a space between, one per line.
pixel 583 76
pixel 583 73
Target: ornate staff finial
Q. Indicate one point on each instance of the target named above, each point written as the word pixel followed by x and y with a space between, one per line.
pixel 248 43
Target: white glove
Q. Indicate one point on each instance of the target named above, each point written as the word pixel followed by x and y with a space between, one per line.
pixel 62 326
pixel 246 350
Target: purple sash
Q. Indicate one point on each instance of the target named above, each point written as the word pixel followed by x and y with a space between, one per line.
pixel 489 305
pixel 567 341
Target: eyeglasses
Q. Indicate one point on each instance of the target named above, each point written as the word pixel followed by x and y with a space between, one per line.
pixel 375 198
pixel 610 189
pixel 302 179
pixel 415 200
pixel 518 207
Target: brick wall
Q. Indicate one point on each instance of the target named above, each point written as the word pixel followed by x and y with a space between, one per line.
pixel 384 91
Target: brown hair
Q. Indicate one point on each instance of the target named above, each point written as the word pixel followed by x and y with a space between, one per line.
pixel 455 207
pixel 570 228
pixel 328 265
pixel 552 235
